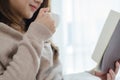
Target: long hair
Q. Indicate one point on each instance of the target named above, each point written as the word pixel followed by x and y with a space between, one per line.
pixel 8 16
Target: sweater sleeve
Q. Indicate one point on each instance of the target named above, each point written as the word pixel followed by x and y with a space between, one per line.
pixel 50 67
pixel 25 63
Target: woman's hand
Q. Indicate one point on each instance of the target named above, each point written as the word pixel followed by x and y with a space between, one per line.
pixel 45 18
pixel 111 75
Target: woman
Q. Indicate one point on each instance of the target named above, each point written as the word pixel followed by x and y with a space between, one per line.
pixel 27 54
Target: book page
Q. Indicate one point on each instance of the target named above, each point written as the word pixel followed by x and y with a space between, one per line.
pixel 107 49
pixel 112 52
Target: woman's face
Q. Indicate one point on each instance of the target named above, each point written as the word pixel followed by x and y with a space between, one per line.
pixel 25 8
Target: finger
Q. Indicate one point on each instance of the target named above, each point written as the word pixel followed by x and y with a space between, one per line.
pixel 43 11
pixel 112 74
pixel 108 76
pixel 117 66
pixel 98 73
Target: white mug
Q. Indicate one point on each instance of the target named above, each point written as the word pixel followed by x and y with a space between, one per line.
pixel 55 18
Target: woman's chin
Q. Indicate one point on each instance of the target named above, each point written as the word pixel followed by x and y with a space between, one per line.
pixel 29 16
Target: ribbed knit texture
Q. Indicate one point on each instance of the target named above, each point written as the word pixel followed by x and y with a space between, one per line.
pixel 27 56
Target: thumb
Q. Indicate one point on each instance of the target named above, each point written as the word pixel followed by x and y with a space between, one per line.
pixel 44 10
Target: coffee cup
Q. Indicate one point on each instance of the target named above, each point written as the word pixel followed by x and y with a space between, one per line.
pixel 55 18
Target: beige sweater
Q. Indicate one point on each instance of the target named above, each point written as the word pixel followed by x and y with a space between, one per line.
pixel 27 56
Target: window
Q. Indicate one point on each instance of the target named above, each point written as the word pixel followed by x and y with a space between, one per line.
pixel 79 28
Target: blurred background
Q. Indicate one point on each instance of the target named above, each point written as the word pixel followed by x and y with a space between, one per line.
pixel 81 22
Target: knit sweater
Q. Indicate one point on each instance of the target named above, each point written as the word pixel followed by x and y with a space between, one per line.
pixel 27 56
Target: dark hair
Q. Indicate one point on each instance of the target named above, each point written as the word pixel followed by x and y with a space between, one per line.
pixel 8 16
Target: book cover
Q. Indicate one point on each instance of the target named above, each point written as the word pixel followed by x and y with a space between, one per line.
pixel 107 49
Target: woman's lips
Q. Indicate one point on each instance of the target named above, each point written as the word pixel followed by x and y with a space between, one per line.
pixel 33 8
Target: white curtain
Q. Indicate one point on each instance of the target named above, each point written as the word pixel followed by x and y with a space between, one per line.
pixel 81 22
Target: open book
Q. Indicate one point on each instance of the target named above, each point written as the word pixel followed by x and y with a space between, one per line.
pixel 107 50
